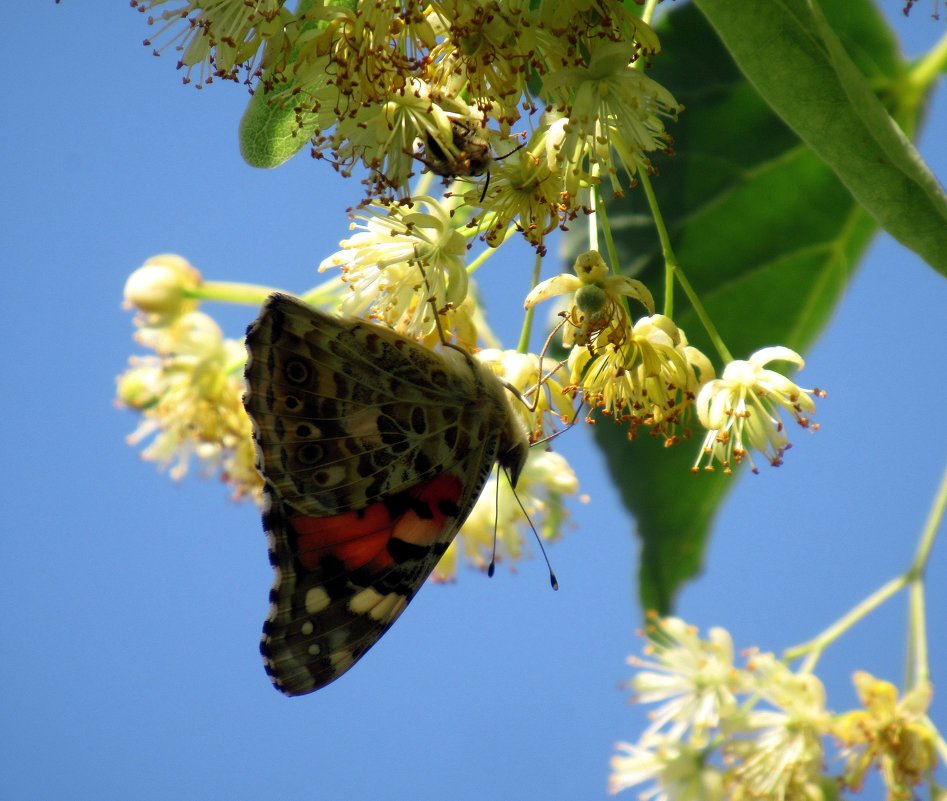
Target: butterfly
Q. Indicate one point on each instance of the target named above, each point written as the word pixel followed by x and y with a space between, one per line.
pixel 373 450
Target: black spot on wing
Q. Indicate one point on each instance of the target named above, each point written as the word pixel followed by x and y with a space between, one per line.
pixel 403 551
pixel 422 464
pixel 448 508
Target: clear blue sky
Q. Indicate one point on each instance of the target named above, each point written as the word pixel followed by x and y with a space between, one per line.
pixel 132 606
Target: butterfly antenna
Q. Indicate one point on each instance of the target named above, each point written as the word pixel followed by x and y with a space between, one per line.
pixel 553 581
pixel 537 387
pixel 491 569
pixel 554 434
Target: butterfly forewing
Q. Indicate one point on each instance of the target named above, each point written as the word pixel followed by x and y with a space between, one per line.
pixel 374 450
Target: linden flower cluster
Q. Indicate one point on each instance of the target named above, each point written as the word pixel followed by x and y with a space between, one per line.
pixel 398 85
pixel 762 731
pixel 644 373
pixel 400 258
pixel 189 393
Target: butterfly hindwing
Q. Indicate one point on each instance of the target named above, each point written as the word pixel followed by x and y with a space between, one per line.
pixel 374 450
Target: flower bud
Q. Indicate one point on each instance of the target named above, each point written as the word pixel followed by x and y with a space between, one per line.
pixel 140 387
pixel 158 288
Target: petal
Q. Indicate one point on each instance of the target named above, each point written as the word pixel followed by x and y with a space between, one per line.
pixel 699 361
pixel 776 352
pixel 457 281
pixel 623 285
pixel 557 285
pixel 707 403
pixel 915 702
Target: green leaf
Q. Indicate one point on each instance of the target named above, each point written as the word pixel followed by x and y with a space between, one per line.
pixel 272 129
pixel 769 238
pixel 791 53
pixel 269 132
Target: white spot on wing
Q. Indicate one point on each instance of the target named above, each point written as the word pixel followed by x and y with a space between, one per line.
pixel 317 599
pixel 382 608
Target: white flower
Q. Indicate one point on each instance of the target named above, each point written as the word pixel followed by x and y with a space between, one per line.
pixel 403 256
pixel 782 756
pixel 216 37
pixel 694 678
pixel 895 735
pixel 678 771
pixel 650 378
pixel 190 398
pixel 615 109
pixel 741 409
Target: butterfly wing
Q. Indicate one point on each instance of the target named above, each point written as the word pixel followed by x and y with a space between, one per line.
pixel 374 450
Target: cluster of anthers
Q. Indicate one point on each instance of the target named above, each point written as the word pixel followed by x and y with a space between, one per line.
pixel 401 84
pixel 762 731
pixel 644 373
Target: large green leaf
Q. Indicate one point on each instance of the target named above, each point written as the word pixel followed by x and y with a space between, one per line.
pixel 768 236
pixel 792 55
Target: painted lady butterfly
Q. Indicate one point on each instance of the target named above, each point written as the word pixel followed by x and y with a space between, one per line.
pixel 374 450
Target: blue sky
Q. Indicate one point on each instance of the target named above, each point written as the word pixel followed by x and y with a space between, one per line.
pixel 132 605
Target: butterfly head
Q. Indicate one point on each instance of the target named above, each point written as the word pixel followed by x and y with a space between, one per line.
pixel 514 449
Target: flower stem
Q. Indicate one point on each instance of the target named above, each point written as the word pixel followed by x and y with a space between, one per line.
pixel 934 519
pixel 674 270
pixel 610 249
pixel 231 292
pixel 816 645
pixel 595 203
pixel 670 260
pixel 918 669
pixel 523 345
pixel 929 68
pixel 602 215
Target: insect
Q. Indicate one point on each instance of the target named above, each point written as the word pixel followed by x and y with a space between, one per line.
pixel 374 450
pixel 471 155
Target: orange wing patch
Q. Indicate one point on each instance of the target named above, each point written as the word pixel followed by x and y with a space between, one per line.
pixel 371 537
